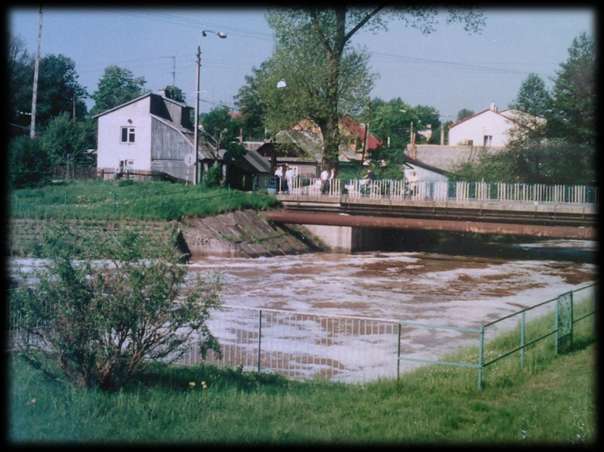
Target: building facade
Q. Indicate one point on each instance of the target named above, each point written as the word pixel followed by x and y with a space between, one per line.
pixel 147 136
pixel 489 128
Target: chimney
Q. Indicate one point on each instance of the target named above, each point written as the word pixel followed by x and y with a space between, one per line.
pixel 493 107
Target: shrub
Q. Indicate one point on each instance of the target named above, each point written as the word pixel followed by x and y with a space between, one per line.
pixel 100 325
pixel 28 162
pixel 213 177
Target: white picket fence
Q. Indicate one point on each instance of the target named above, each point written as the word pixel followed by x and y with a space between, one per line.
pixel 459 191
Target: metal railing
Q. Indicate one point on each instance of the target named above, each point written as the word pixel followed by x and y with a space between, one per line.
pixel 459 191
pixel 304 346
pixel 555 318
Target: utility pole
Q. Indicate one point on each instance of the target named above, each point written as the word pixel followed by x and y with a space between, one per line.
pixel 173 70
pixel 196 131
pixel 364 143
pixel 34 97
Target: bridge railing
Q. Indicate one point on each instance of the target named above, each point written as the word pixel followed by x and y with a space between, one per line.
pixel 459 191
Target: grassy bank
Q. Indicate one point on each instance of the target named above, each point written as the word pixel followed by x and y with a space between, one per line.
pixel 550 401
pixel 130 201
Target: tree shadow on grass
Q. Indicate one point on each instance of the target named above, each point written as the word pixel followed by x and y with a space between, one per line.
pixel 179 378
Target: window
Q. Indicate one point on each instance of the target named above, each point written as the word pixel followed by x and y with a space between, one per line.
pixel 487 140
pixel 128 135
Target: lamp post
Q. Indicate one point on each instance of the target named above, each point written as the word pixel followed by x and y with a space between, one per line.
pixel 281 84
pixel 204 33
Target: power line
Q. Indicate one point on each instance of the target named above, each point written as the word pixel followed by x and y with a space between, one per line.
pixel 452 63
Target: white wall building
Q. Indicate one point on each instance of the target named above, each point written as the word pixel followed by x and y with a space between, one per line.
pixel 150 135
pixel 489 128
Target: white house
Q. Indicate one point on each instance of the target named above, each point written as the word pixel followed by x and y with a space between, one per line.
pixel 149 135
pixel 490 127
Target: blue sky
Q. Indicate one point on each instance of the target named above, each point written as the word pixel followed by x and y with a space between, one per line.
pixel 449 69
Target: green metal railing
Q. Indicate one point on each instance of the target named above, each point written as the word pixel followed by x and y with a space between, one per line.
pixel 564 308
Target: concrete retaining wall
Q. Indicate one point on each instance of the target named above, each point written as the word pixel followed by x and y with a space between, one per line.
pixel 238 234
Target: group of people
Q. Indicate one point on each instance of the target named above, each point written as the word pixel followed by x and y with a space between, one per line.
pixel 284 177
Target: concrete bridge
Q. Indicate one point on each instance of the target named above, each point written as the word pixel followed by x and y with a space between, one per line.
pixel 344 219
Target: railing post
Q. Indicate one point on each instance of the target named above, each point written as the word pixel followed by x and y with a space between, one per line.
pixel 481 360
pixel 398 354
pixel 572 318
pixel 557 320
pixel 522 338
pixel 259 336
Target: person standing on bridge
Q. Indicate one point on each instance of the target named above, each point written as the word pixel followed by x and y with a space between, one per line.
pixel 289 178
pixel 278 177
pixel 324 181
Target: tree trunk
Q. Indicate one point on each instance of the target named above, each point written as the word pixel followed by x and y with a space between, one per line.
pixel 331 133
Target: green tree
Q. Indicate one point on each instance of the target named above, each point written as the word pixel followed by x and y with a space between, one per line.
pixel 533 97
pixel 58 87
pixel 250 104
pixel 573 97
pixel 20 70
pixel 66 141
pixel 98 326
pixel 463 114
pixel 325 34
pixel 174 93
pixel 219 127
pixel 28 163
pixel 116 86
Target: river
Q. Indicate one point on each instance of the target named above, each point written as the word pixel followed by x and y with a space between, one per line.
pixel 434 289
pixel 430 288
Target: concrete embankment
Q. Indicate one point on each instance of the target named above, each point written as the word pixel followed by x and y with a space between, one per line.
pixel 236 234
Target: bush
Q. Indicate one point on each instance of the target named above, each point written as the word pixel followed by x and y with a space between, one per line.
pixel 28 162
pixel 100 325
pixel 213 177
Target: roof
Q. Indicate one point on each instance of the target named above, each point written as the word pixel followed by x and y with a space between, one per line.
pixel 359 129
pixel 187 132
pixel 426 166
pixel 261 164
pixel 448 158
pixel 136 99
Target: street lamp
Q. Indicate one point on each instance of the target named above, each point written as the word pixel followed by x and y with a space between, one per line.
pixel 220 34
pixel 204 33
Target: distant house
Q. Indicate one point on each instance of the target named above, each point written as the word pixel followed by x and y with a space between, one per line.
pixel 150 136
pixel 490 127
pixel 352 138
pixel 301 163
pixel 416 170
pixel 242 173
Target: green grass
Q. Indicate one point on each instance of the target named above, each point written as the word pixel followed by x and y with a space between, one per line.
pixel 130 201
pixel 552 400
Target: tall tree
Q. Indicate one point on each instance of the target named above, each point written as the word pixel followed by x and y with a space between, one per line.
pixel 58 86
pixel 533 97
pixel 573 98
pixel 250 103
pixel 331 29
pixel 174 93
pixel 20 72
pixel 463 114
pixel 59 89
pixel 220 130
pixel 116 86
